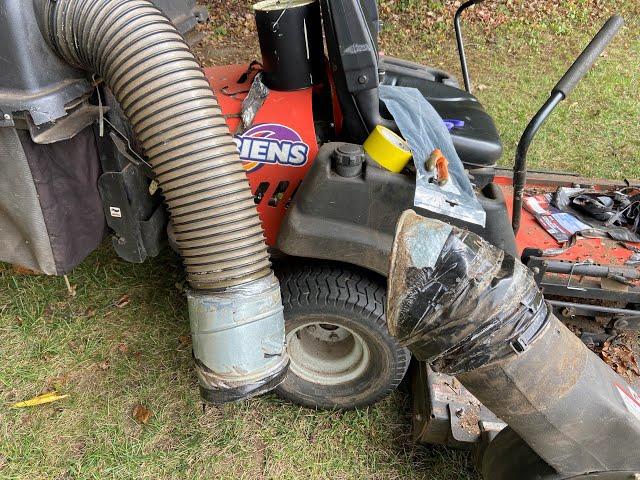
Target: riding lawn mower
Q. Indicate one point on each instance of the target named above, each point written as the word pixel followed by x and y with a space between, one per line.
pixel 340 215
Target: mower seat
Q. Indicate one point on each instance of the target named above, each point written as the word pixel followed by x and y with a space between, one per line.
pixel 478 142
pixel 396 71
pixel 358 71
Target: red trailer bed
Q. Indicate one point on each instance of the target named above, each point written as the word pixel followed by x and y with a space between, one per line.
pixel 601 251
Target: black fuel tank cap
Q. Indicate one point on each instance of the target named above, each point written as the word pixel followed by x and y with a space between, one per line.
pixel 348 159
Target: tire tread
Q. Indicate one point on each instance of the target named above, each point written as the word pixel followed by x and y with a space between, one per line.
pixel 345 286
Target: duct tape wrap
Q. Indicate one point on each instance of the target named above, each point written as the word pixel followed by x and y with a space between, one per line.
pixel 252 103
pixel 238 340
pixel 457 301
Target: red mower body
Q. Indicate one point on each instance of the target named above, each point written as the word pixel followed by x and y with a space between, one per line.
pixel 281 146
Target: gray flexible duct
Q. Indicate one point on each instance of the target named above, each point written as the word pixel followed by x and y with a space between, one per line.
pixel 175 116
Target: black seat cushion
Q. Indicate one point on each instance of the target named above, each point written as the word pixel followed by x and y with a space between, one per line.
pixel 478 142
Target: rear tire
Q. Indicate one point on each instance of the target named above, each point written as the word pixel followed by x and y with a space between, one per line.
pixel 342 355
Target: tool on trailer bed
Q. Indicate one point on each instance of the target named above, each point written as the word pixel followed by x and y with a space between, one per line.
pixel 325 142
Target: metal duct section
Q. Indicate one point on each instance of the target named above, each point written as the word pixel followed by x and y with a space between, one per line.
pixel 472 311
pixel 165 96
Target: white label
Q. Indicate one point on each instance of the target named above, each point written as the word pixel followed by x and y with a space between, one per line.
pixel 115 212
pixel 631 399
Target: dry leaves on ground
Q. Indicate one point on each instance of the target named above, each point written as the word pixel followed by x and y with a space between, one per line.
pixel 184 341
pixel 19 270
pixel 122 302
pixel 141 414
pixel 619 356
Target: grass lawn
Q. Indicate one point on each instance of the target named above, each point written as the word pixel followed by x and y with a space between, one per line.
pixel 123 339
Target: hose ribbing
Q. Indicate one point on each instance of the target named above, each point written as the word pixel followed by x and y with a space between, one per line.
pixel 175 116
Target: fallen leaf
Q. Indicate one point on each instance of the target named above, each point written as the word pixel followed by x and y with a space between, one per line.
pixel 123 301
pixel 19 270
pixel 141 414
pixel 122 348
pixel 620 357
pixel 40 400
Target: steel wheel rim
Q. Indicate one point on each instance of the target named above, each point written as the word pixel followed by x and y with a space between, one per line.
pixel 327 353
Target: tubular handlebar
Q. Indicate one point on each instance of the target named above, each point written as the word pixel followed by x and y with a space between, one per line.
pixel 460 41
pixel 562 89
pixel 589 56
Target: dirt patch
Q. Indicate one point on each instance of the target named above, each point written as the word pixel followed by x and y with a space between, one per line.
pixel 469 419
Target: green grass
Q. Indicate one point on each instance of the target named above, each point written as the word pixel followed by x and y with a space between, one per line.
pixel 514 66
pixel 108 359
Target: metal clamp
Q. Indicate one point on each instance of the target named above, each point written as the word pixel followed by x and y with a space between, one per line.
pixel 522 343
pixel 123 146
pixel 571 273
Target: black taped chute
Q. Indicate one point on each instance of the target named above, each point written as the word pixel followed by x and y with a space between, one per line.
pixel 470 310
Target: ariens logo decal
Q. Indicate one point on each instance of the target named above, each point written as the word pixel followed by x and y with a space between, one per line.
pixel 271 144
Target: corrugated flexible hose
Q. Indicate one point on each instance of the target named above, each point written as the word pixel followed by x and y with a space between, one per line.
pixel 175 116
pixel 465 307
